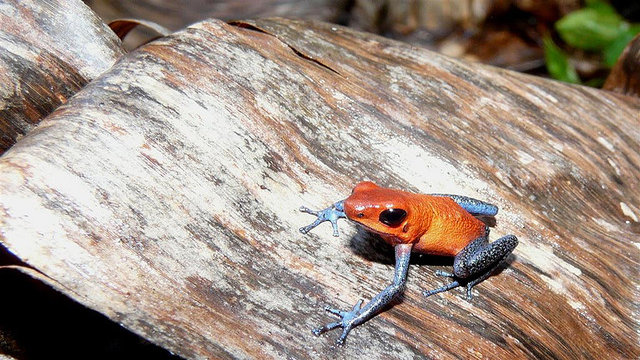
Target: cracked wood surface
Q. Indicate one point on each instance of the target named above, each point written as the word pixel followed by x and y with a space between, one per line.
pixel 165 196
pixel 49 49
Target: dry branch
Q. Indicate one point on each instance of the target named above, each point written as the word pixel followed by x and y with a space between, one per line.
pixel 165 196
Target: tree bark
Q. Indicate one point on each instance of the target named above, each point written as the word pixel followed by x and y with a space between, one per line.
pixel 165 195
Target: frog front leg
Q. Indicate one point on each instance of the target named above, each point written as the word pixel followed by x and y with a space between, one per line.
pixel 476 262
pixel 331 214
pixel 358 315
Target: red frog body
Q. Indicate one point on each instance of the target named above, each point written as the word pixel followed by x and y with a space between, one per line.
pixel 438 224
pixel 432 224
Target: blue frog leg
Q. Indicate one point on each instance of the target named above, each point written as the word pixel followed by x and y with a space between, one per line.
pixel 359 315
pixel 473 206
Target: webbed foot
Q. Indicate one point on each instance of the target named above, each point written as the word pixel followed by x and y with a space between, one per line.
pixel 331 214
pixel 447 287
pixel 468 283
pixel 445 273
pixel 347 322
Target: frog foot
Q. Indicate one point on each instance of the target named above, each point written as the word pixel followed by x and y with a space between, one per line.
pixel 331 214
pixel 347 322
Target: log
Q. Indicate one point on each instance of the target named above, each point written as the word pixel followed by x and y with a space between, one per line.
pixel 165 195
pixel 49 50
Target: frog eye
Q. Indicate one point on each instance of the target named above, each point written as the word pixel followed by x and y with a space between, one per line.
pixel 392 217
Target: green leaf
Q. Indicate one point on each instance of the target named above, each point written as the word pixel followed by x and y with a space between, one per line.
pixel 612 52
pixel 558 63
pixel 591 28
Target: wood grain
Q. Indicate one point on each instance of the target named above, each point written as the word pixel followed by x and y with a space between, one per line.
pixel 48 51
pixel 165 196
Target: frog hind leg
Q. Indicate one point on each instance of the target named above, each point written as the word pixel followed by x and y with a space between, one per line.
pixel 476 262
pixel 473 206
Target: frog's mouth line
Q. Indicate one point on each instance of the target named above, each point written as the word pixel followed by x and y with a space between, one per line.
pixel 382 234
pixel 369 229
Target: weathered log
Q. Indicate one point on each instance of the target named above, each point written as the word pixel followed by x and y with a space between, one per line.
pixel 48 51
pixel 165 196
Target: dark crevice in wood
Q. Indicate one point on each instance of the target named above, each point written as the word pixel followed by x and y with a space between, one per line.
pixel 39 322
pixel 245 25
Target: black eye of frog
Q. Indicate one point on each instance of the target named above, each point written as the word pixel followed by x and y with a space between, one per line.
pixel 392 217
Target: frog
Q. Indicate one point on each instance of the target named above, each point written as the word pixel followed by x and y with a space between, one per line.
pixel 434 224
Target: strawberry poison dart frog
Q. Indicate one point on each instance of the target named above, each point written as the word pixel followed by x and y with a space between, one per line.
pixel 430 224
